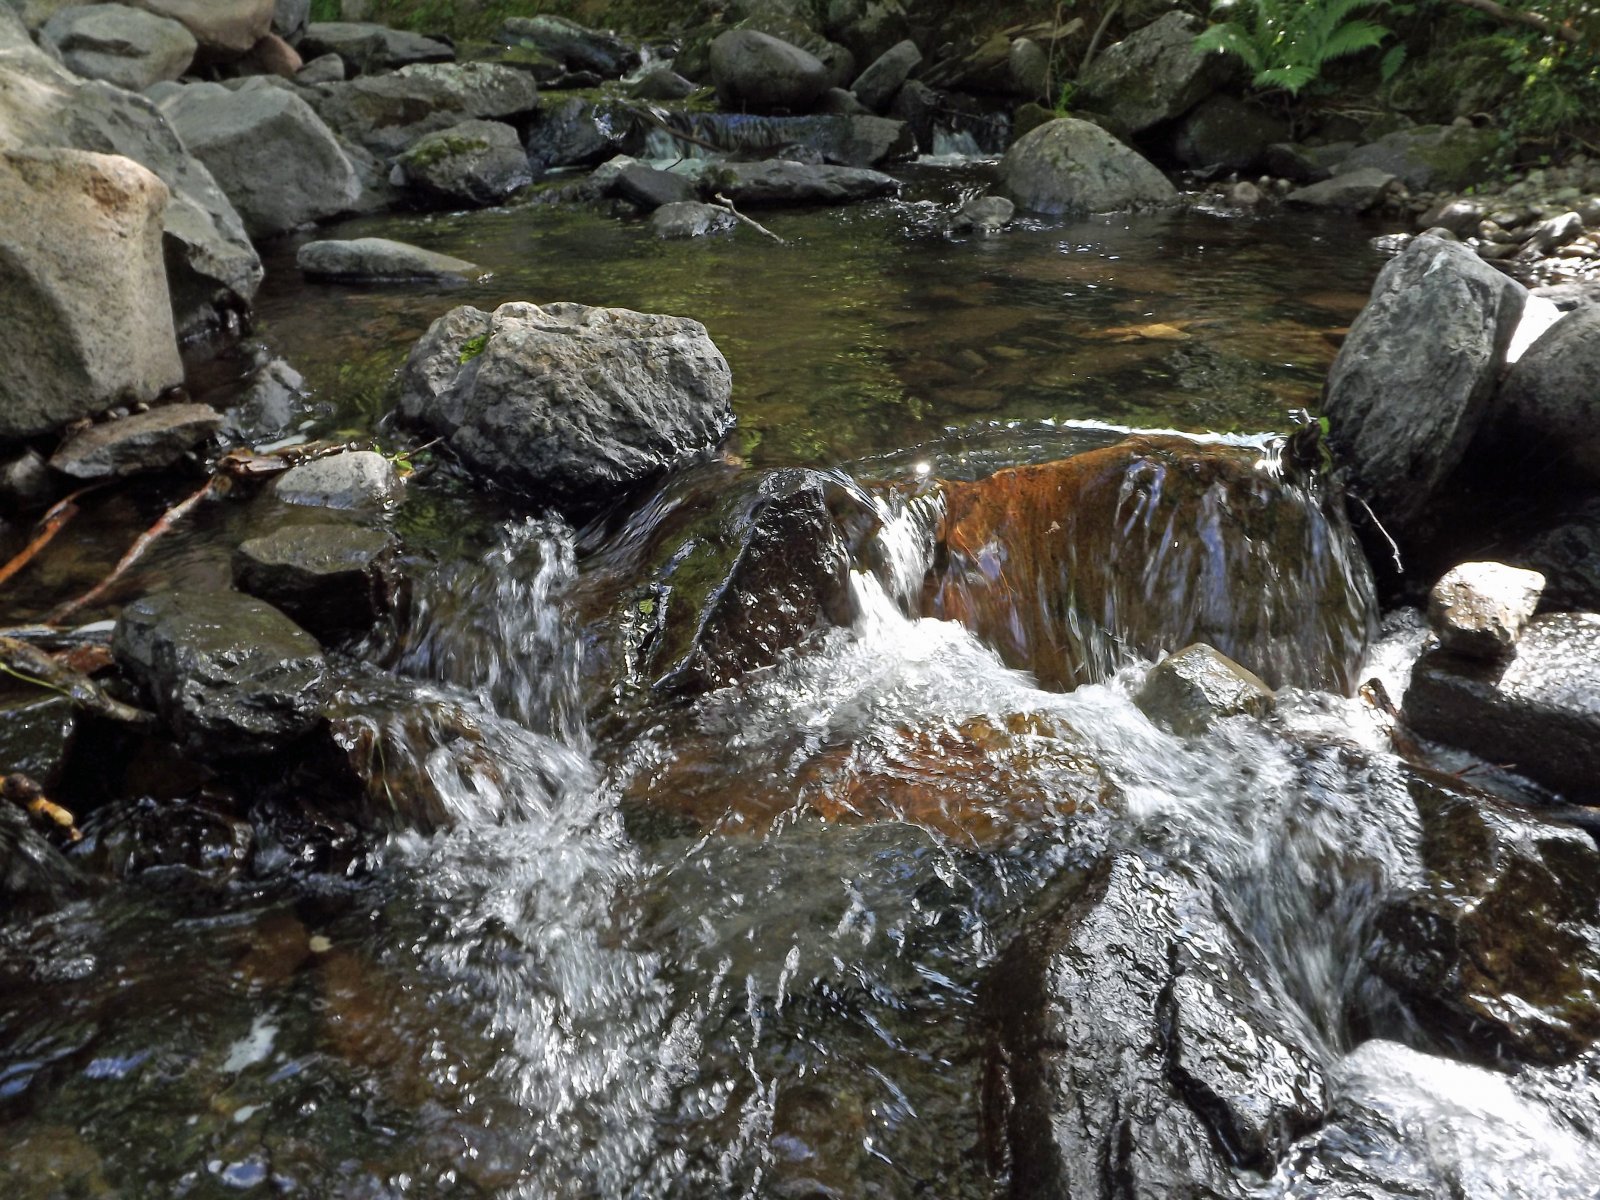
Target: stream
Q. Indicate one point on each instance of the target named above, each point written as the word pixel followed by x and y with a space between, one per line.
pixel 765 940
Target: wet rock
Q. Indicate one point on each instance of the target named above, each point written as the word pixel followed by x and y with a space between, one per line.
pixel 336 581
pixel 327 68
pixel 121 45
pixel 1069 165
pixel 379 260
pixel 1568 555
pixel 475 162
pixel 274 400
pixel 1191 690
pixel 1352 192
pixel 25 481
pixel 386 113
pixel 225 29
pixel 1140 1039
pixel 1500 943
pixel 1224 134
pixel 1413 381
pixel 190 843
pixel 1548 408
pixel 83 293
pixel 778 181
pixel 1429 157
pixel 367 49
pixel 34 876
pixel 758 73
pixel 569 402
pixel 278 163
pixel 691 220
pixel 227 674
pixel 1480 609
pixel 581 133
pixel 1304 164
pixel 577 48
pixel 354 479
pixel 146 441
pixel 851 141
pixel 875 87
pixel 1143 547
pixel 649 189
pixel 661 84
pixel 1539 712
pixel 985 214
pixel 1153 74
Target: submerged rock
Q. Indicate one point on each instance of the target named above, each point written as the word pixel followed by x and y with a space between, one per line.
pixel 146 441
pixel 758 73
pixel 379 260
pixel 367 49
pixel 1191 690
pixel 83 290
pixel 1412 384
pixel 174 844
pixel 334 580
pixel 1480 609
pixel 1540 711
pixel 1067 165
pixel 691 219
pixel 1153 74
pixel 121 45
pixel 779 181
pixel 986 214
pixel 1150 545
pixel 227 673
pixel 1500 944
pixel 354 479
pixel 475 162
pixel 568 402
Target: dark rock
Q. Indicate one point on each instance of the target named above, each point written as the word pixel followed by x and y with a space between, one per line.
pixel 334 580
pixel 379 260
pixel 387 113
pixel 691 220
pixel 273 400
pixel 1429 157
pixel 1154 75
pixel 581 133
pixel 569 402
pixel 919 106
pixel 778 181
pixel 1303 164
pixel 34 876
pixel 1480 609
pixel 758 73
pixel 1136 549
pixel 867 27
pixel 146 441
pixel 120 45
pixel 1413 381
pixel 1549 407
pixel 1224 134
pixel 574 46
pixel 875 87
pixel 1539 712
pixel 1568 555
pixel 367 49
pixel 836 102
pixel 34 735
pixel 1460 217
pixel 1191 690
pixel 1500 943
pixel 1141 1041
pixel 475 162
pixel 649 189
pixel 1351 192
pixel 227 673
pixel 846 140
pixel 1072 166
pixel 660 83
pixel 354 479
pixel 179 843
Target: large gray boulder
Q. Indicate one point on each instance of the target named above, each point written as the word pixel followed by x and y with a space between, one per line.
pixel 475 162
pixel 779 181
pixel 1224 134
pixel 121 45
pixel 380 260
pixel 875 87
pixel 1432 157
pixel 1412 383
pixel 211 265
pixel 570 403
pixel 1153 74
pixel 758 73
pixel 224 28
pixel 369 49
pixel 387 113
pixel 1549 402
pixel 1067 165
pixel 579 132
pixel 83 289
pixel 278 163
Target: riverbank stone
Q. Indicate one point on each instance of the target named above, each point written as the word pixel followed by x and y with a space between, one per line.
pixel 780 181
pixel 475 162
pixel 228 674
pixel 568 402
pixel 336 581
pixel 1479 610
pixel 1351 192
pixel 1223 134
pixel 83 289
pixel 649 189
pixel 1153 74
pixel 1548 407
pixel 1429 157
pixel 661 84
pixel 577 132
pixel 367 49
pixel 1413 382
pixel 691 219
pixel 1539 712
pixel 145 441
pixel 380 260
pixel 387 113
pixel 354 479
pixel 224 29
pixel 576 47
pixel 757 73
pixel 124 46
pixel 1068 165
pixel 1191 690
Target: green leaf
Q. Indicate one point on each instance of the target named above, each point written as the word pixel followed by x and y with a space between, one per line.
pixel 1392 61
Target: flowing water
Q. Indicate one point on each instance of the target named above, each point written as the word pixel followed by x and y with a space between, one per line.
pixel 741 945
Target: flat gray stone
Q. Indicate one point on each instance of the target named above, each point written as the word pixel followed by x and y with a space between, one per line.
pixel 368 49
pixel 379 260
pixel 125 46
pixel 146 441
pixel 691 219
pixel 354 479
pixel 1353 192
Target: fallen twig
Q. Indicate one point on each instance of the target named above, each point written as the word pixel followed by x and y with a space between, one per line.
pixel 32 665
pixel 168 519
pixel 1532 20
pixel 21 790
pixel 723 202
pixel 49 525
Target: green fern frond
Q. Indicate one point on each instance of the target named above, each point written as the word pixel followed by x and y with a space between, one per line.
pixel 1291 79
pixel 1352 38
pixel 1233 39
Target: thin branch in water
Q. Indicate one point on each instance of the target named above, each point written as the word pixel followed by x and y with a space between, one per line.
pixel 49 525
pixel 723 202
pixel 33 666
pixel 168 519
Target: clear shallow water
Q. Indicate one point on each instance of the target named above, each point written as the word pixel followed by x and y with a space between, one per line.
pixel 691 958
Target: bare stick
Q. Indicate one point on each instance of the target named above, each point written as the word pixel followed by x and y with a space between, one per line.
pixel 168 519
pixel 50 524
pixel 31 665
pixel 1511 16
pixel 724 202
